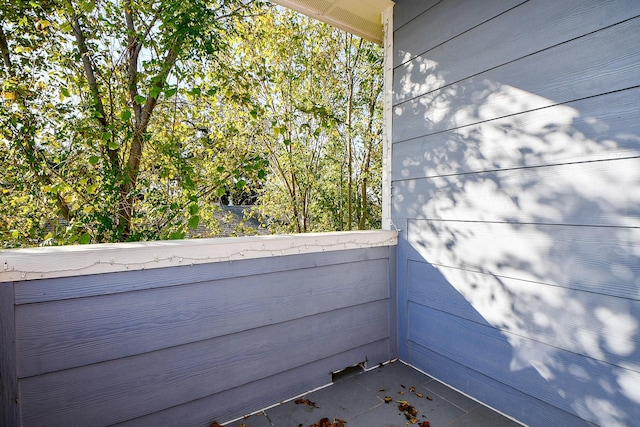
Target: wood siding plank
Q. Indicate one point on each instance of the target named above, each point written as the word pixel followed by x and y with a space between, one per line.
pixel 84 286
pixel 560 378
pixel 513 35
pixel 576 194
pixel 512 402
pixel 111 392
pixel 10 411
pixel 69 333
pixel 601 260
pixel 423 32
pixel 515 159
pixel 256 395
pixel 593 325
pixel 407 10
pixel 580 131
pixel 512 88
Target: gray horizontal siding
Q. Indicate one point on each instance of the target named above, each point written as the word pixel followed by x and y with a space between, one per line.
pixel 558 323
pixel 261 393
pixel 582 131
pixel 474 52
pixel 556 194
pixel 513 87
pixel 492 392
pixel 9 409
pixel 81 286
pixel 411 9
pixel 516 159
pixel 501 360
pixel 115 326
pixel 184 343
pixel 425 35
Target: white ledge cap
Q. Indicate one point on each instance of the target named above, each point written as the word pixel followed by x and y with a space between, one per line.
pixel 65 261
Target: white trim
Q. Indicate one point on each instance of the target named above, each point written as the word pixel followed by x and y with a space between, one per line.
pixel 387 139
pixel 65 261
pixel 360 17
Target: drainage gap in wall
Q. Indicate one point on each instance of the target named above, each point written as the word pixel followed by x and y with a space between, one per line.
pixel 348 371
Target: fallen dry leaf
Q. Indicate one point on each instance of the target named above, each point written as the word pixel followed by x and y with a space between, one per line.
pixel 419 394
pixel 324 422
pixel 412 389
pixel 408 410
pixel 387 399
pixel 425 424
pixel 216 424
pixel 429 398
pixel 306 402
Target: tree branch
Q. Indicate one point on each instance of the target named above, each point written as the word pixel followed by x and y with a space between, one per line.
pixel 88 68
pixel 4 48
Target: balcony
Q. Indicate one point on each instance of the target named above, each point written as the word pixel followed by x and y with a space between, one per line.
pixel 184 333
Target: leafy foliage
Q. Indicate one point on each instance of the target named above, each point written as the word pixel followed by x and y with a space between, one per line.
pixel 317 110
pixel 133 120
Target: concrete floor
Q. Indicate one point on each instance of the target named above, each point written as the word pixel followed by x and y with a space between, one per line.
pixel 359 400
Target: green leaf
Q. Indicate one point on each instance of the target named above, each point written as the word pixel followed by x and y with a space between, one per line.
pixel 193 209
pixel 170 92
pixel 262 174
pixel 65 92
pixel 176 235
pixel 125 115
pixel 195 91
pixel 15 234
pixel 241 184
pixel 155 92
pixel 254 113
pixel 194 221
pixel 220 191
pixel 85 239
pixel 87 6
pixel 93 160
pixel 113 145
pixel 105 136
pixel 139 99
pixel 220 169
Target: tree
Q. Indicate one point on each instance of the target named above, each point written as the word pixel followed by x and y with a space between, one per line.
pixel 316 90
pixel 133 120
pixel 89 90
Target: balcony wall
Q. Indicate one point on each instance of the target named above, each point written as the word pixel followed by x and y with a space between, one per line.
pixel 186 333
pixel 516 184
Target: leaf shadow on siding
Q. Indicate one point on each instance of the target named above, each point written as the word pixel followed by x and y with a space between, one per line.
pixel 529 210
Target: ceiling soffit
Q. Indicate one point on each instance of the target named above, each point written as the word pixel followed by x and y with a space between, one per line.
pixel 360 17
